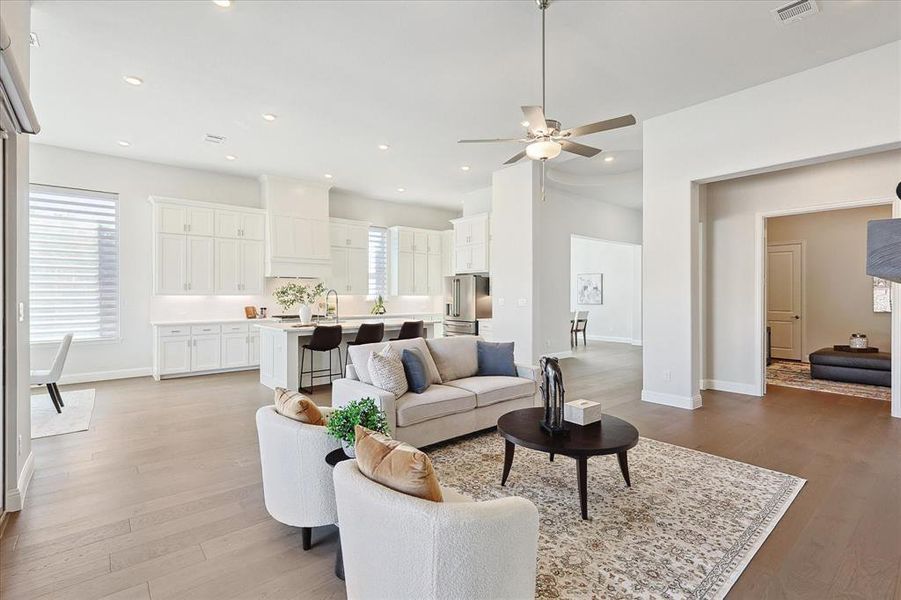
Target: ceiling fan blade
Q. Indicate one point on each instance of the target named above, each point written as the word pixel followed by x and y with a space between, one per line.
pixel 488 141
pixel 580 149
pixel 535 116
pixel 607 125
pixel 516 158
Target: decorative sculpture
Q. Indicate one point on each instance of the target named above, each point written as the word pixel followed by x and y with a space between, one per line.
pixel 552 394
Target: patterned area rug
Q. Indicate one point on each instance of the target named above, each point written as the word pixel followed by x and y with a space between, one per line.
pixel 686 528
pixel 796 374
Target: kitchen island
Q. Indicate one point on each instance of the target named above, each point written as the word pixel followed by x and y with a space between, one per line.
pixel 280 347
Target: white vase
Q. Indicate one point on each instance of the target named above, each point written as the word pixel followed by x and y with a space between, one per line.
pixel 348 449
pixel 305 313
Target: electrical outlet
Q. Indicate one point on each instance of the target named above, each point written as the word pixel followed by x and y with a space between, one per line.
pixel 21 312
pixel 667 375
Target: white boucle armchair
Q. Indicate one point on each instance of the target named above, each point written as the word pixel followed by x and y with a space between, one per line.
pixel 400 547
pixel 297 483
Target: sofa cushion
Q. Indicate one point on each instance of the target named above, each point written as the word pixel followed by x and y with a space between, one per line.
pixel 495 358
pixel 396 465
pixel 455 356
pixel 295 405
pixel 359 356
pixel 387 371
pixel 437 401
pixel 495 388
pixel 415 370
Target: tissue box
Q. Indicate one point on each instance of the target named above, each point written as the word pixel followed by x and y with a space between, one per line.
pixel 582 412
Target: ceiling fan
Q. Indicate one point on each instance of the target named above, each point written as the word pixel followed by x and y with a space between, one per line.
pixel 545 137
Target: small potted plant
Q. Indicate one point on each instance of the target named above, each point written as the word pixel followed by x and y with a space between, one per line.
pixel 364 412
pixel 291 294
pixel 379 307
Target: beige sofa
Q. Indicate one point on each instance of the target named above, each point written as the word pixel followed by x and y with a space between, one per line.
pixel 458 402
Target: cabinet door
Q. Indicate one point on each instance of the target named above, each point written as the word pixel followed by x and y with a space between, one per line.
pixel 338 234
pixel 339 281
pixel 420 273
pixel 478 261
pixel 201 221
pixel 171 218
pixel 303 238
pixel 174 354
pixel 205 352
pixel 462 232
pixel 228 266
pixel 420 241
pixel 320 237
pixel 404 240
pixel 463 259
pixel 283 230
pixel 253 226
pixel 478 231
pixel 358 236
pixel 447 253
pixel 358 271
pixel 171 263
pixel 251 266
pixel 228 223
pixel 434 280
pixel 201 265
pixel 434 242
pixel 404 273
pixel 235 350
pixel 253 347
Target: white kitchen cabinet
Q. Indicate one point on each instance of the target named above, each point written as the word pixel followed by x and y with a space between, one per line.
pixel 253 348
pixel 339 280
pixel 201 221
pixel 201 269
pixel 349 234
pixel 447 254
pixel 240 225
pixel 300 238
pixel 186 349
pixel 358 271
pixel 471 244
pixel 416 262
pixel 180 218
pixel 420 273
pixel 173 354
pixel 405 239
pixel 235 350
pixel 471 259
pixel 402 279
pixel 228 261
pixel 420 241
pixel 433 242
pixel 251 258
pixel 435 275
pixel 171 263
pixel 206 352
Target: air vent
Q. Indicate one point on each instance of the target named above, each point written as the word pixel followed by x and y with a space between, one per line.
pixel 795 11
pixel 214 139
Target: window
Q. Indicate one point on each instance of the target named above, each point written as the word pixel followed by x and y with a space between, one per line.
pixel 378 261
pixel 74 264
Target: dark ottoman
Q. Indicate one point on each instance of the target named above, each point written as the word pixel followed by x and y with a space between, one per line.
pixel 874 368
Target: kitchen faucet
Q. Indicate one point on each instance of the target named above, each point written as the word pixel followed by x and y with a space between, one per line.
pixel 327 294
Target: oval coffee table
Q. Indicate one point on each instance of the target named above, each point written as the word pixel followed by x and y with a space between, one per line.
pixel 608 436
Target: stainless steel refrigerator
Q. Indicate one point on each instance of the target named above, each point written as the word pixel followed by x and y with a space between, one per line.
pixel 467 298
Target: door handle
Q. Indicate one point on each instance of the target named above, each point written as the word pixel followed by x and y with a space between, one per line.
pixel 797 316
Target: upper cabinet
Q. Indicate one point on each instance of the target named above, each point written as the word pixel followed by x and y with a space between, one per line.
pixel 203 248
pixel 349 257
pixel 416 262
pixel 471 244
pixel 349 234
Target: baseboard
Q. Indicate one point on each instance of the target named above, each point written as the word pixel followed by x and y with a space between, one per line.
pixel 686 402
pixel 15 498
pixel 105 375
pixel 636 342
pixel 610 338
pixel 561 354
pixel 731 386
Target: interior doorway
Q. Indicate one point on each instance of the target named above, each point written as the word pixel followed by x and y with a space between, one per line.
pixel 784 299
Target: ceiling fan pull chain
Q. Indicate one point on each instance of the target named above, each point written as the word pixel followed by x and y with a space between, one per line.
pixel 543 5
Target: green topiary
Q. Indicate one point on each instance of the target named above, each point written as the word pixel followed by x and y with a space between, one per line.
pixel 363 412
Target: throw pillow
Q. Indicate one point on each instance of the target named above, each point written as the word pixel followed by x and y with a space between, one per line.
pixel 387 371
pixel 496 358
pixel 454 356
pixel 396 465
pixel 359 355
pixel 416 371
pixel 295 405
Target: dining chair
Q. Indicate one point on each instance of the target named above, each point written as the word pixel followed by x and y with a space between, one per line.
pixel 410 330
pixel 50 377
pixel 325 338
pixel 368 333
pixel 578 324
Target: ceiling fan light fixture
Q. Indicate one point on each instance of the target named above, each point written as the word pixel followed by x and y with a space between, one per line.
pixel 543 150
pixel 608 159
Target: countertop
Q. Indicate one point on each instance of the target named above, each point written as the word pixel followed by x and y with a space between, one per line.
pixel 205 321
pixel 428 317
pixel 347 325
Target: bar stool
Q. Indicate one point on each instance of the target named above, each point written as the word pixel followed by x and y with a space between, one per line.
pixel 410 330
pixel 369 333
pixel 325 339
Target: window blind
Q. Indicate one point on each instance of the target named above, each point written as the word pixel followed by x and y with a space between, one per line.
pixel 74 264
pixel 378 261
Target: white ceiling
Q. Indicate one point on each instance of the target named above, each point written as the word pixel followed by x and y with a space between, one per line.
pixel 344 77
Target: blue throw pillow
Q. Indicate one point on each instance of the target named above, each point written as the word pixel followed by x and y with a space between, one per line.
pixel 496 358
pixel 415 370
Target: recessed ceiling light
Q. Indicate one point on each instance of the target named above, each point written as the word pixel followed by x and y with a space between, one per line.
pixel 230 157
pixel 402 190
pixel 222 3
pixel 464 168
pixel 132 80
pixel 328 175
pixel 124 143
pixel 608 159
pixel 269 117
pixel 384 146
pixel 524 123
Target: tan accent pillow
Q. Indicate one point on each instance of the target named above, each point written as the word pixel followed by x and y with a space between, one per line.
pixel 456 357
pixel 396 465
pixel 295 405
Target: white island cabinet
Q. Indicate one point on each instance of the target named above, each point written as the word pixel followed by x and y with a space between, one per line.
pixel 200 347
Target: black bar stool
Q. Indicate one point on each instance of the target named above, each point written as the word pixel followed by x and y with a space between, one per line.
pixel 369 333
pixel 410 330
pixel 325 339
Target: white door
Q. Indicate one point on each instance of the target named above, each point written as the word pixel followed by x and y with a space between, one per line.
pixel 251 258
pixel 404 269
pixel 358 271
pixel 171 263
pixel 201 265
pixel 784 299
pixel 235 350
pixel 205 352
pixel 253 347
pixel 253 226
pixel 339 280
pixel 201 221
pixel 175 354
pixel 228 265
pixel 227 224
pixel 420 273
pixel 172 219
pixel 434 285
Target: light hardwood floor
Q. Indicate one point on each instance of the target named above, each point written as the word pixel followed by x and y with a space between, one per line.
pixel 162 497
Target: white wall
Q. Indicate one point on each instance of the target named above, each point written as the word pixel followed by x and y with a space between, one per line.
pixel 732 208
pixel 847 106
pixel 383 213
pixel 477 202
pixel 614 320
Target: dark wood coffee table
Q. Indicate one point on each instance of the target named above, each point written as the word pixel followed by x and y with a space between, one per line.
pixel 608 436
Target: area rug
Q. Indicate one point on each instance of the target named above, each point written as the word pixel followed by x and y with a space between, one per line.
pixel 76 415
pixel 686 528
pixel 796 374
